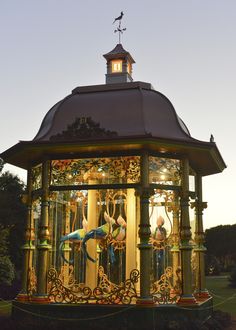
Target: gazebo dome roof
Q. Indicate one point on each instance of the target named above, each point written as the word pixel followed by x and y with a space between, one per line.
pixel 112 111
pixel 118 117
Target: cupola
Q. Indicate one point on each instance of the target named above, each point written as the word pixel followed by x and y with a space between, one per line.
pixel 119 65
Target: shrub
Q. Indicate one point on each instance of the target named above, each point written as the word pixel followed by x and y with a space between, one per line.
pixel 232 278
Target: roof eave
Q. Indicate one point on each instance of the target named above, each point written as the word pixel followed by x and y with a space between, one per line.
pixel 204 156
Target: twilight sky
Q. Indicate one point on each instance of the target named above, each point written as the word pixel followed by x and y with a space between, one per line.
pixel 185 48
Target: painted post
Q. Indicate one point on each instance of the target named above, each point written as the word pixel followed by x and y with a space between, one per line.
pixel 187 297
pixel 144 233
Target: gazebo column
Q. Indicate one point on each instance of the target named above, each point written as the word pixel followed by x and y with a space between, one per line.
pixel 175 239
pixel 66 248
pixel 187 297
pixel 28 248
pixel 91 267
pixel 199 205
pixel 144 234
pixel 43 246
pixel 131 243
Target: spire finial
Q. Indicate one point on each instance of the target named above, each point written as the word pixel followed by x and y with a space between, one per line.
pixel 119 29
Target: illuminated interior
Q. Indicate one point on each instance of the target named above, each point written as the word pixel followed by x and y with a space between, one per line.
pixel 116 66
pixel 93 232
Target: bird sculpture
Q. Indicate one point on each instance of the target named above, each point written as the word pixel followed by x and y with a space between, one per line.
pixel 119 18
pixel 98 233
pixel 212 138
pixel 120 232
pixel 75 237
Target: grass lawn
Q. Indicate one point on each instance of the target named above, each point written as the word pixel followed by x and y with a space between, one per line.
pixel 5 308
pixel 224 297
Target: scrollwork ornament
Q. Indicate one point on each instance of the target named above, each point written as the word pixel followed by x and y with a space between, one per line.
pixel 58 293
pixel 105 293
pixel 32 281
pixel 163 291
pixel 109 293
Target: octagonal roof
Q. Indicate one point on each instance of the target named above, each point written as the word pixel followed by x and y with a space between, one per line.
pixel 112 111
pixel 115 118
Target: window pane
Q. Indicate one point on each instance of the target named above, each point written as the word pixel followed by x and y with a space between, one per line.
pixel 116 66
pixel 97 216
pixel 95 171
pixel 164 171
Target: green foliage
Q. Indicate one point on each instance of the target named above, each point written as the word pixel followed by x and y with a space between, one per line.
pixel 1 164
pixel 7 271
pixel 4 234
pixel 220 244
pixel 13 214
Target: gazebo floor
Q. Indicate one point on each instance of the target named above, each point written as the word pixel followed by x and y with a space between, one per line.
pixel 114 317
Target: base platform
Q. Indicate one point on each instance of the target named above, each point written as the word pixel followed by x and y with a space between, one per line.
pixel 94 317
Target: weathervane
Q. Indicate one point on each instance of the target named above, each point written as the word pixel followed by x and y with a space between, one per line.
pixel 119 29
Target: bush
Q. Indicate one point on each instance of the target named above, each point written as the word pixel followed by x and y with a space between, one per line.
pixel 232 278
pixel 7 270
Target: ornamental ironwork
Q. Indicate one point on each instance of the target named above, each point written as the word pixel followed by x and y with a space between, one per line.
pixel 163 291
pixel 95 170
pixel 105 293
pixel 83 128
pixel 32 281
pixel 109 293
pixel 36 177
pixel 59 293
pixel 164 171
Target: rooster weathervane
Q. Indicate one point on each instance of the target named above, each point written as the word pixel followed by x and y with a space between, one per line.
pixel 119 29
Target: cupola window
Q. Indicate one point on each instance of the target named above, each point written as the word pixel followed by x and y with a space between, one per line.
pixel 117 66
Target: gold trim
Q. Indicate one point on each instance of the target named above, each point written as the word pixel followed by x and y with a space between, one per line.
pixel 105 293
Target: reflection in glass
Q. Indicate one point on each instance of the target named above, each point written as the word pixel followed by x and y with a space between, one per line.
pixel 164 171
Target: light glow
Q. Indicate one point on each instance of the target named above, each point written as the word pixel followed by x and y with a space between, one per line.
pixel 117 66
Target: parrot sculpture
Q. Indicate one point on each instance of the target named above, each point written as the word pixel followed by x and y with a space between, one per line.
pixel 75 237
pixel 98 233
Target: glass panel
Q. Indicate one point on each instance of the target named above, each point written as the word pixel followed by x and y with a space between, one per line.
pixel 88 229
pixel 192 175
pixel 117 66
pixel 66 214
pixel 129 68
pixel 164 171
pixel 166 269
pixel 192 215
pixel 95 171
pixel 161 221
pixel 37 177
pixel 191 183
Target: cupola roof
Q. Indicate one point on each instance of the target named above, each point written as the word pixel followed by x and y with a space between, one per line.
pixel 119 51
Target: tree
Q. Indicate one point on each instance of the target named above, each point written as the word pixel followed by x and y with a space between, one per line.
pixel 1 164
pixel 220 244
pixel 232 278
pixel 7 271
pixel 12 213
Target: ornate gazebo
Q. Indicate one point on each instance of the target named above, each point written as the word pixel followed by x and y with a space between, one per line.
pixel 114 195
